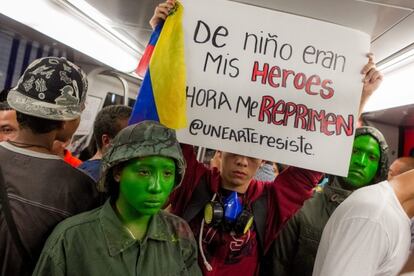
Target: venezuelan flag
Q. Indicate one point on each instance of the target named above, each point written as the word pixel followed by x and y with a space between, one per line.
pixel 162 93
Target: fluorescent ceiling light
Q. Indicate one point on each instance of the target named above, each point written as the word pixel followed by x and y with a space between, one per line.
pixel 100 19
pixel 399 61
pixel 397 87
pixel 55 22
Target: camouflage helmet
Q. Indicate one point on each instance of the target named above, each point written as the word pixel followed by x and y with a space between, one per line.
pixel 147 138
pixel 383 162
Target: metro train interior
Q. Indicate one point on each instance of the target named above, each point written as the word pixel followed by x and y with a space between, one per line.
pixel 108 37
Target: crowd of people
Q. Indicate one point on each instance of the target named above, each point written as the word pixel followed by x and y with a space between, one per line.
pixel 144 205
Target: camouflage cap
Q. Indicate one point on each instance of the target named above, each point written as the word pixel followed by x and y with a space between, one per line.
pixel 147 138
pixel 51 88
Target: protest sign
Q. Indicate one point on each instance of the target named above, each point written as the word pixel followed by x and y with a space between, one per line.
pixel 272 85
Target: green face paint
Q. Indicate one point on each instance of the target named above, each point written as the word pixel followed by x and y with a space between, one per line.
pixel 364 161
pixel 146 183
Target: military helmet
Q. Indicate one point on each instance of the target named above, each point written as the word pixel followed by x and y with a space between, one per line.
pixel 147 138
pixel 383 162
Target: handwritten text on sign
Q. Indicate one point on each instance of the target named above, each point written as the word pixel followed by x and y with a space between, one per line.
pixel 272 85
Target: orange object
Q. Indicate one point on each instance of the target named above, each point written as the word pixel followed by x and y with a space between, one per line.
pixel 71 160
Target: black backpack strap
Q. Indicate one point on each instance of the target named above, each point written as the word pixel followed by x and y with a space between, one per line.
pixel 201 196
pixel 259 208
pixel 24 254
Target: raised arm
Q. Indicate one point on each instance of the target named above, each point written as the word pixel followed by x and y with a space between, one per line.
pixel 287 194
pixel 180 197
pixel 292 187
pixel 372 80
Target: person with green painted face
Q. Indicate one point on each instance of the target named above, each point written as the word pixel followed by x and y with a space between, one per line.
pixel 129 234
pixel 294 251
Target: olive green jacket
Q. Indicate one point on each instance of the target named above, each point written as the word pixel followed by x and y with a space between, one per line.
pixel 97 243
pixel 294 251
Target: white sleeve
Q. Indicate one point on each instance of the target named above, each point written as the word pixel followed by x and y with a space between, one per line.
pixel 356 247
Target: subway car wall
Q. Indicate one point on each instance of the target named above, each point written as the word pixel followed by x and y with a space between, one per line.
pixel 17 51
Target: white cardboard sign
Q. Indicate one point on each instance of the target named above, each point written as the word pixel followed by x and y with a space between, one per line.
pixel 272 85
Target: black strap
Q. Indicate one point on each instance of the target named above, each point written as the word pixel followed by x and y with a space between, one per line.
pixel 259 207
pixel 200 197
pixel 24 254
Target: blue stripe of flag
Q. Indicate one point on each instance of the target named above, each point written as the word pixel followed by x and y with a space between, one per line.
pixel 144 107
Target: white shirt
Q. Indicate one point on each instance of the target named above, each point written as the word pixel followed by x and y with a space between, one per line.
pixel 367 235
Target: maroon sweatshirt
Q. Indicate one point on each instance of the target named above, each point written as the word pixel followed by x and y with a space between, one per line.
pixel 232 255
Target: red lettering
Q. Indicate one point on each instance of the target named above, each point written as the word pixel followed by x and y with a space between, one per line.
pixel 330 119
pixel 301 114
pixel 303 117
pixel 329 91
pixel 315 115
pixel 277 77
pixel 273 75
pixel 290 110
pixel 276 111
pixel 341 124
pixel 286 73
pixel 267 103
pixel 262 73
pixel 313 80
pixel 300 81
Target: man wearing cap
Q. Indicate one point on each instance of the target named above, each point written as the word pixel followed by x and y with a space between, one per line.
pixel 37 188
pixel 129 234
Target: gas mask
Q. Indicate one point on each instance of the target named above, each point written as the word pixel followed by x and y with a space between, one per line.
pixel 230 214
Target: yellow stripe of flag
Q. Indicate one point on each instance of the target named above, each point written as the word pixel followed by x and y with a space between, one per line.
pixel 168 72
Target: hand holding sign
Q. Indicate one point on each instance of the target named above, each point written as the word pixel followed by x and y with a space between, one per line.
pixel 372 80
pixel 257 88
pixel 161 12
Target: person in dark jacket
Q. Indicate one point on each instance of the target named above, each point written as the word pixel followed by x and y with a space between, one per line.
pixel 39 189
pixel 294 252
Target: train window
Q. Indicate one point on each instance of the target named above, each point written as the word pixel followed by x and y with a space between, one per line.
pixel 112 99
pixel 17 51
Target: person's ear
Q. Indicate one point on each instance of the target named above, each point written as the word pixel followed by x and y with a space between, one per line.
pixel 106 140
pixel 116 172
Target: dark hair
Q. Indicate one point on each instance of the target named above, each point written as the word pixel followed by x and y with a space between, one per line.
pixel 37 125
pixel 3 100
pixel 113 186
pixel 5 106
pixel 108 122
